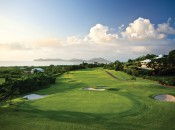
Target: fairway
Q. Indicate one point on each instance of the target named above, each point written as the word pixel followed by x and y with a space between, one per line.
pixel 124 105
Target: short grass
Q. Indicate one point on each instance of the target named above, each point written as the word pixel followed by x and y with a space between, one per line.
pixel 125 105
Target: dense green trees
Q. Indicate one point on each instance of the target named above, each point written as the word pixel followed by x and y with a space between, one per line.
pixel 12 87
pixel 148 56
pixel 8 91
pixel 117 65
pixel 171 58
pixel 164 65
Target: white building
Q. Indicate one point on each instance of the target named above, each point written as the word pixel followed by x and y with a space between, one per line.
pixel 37 70
pixel 144 63
pixel 160 56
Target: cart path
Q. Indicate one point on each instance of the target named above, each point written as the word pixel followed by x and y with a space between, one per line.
pixel 112 75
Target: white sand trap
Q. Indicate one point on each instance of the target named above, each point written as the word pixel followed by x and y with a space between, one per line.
pixel 165 97
pixel 94 89
pixel 34 96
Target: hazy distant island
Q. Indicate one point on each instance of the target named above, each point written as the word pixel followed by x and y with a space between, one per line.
pixel 48 59
pixel 99 60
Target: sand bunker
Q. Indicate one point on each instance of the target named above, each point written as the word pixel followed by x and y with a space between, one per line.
pixel 94 89
pixel 34 96
pixel 165 97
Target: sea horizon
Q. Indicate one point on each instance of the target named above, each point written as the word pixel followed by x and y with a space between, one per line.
pixel 36 63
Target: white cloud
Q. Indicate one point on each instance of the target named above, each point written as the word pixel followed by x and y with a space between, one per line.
pixel 165 28
pixel 47 42
pixel 73 40
pixel 99 33
pixel 141 29
pixel 140 49
pixel 15 46
pixel 121 27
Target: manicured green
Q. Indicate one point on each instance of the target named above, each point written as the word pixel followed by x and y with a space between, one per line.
pixel 125 105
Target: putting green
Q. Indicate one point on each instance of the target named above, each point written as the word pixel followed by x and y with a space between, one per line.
pixel 87 102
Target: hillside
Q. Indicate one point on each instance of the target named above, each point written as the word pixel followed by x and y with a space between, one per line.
pixel 99 60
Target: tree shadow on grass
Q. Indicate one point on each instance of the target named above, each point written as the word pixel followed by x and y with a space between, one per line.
pixel 107 121
pixel 61 115
pixel 63 85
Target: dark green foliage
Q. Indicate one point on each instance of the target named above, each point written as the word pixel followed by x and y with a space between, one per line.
pixel 165 65
pixel 128 71
pixel 171 57
pixel 8 90
pixel 133 78
pixel 117 66
pixel 129 60
pixel 34 82
pixel 148 56
pixel 164 81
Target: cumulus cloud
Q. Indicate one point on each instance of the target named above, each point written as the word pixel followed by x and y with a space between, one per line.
pixel 47 42
pixel 165 28
pixel 140 49
pixel 121 27
pixel 14 46
pixel 141 29
pixel 99 33
pixel 73 40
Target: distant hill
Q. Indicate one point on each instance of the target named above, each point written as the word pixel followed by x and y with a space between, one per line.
pixel 99 60
pixel 76 60
pixel 41 59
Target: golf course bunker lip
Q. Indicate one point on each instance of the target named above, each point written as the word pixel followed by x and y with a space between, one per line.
pixel 94 89
pixel 165 97
pixel 34 96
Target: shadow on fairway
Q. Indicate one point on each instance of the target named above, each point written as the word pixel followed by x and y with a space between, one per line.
pixel 62 85
pixel 108 121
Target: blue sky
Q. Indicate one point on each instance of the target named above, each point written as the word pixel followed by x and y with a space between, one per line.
pixel 87 28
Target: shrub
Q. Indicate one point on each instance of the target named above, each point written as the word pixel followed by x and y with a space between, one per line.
pixel 128 71
pixel 133 78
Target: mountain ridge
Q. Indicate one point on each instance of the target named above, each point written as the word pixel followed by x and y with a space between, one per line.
pixel 99 59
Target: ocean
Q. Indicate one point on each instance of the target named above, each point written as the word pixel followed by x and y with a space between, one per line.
pixel 37 63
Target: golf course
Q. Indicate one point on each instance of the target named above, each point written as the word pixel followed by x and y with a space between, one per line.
pixel 124 104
